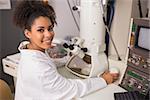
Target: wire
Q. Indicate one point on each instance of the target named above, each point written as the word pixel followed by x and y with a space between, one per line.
pixel 108 31
pixel 140 8
pixel 110 9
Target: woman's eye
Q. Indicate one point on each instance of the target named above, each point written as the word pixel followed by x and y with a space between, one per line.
pixel 50 29
pixel 41 30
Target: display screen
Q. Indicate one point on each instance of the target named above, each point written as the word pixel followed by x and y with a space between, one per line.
pixel 143 39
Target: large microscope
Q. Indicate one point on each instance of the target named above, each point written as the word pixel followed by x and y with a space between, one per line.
pixel 87 57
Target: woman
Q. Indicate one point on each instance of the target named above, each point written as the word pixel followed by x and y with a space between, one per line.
pixel 37 77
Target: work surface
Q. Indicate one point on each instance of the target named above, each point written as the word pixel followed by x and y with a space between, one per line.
pixel 104 94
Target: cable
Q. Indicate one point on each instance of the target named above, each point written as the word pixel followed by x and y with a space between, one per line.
pixel 107 29
pixel 109 17
pixel 140 9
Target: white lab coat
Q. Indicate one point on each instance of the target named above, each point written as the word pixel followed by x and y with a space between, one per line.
pixel 38 79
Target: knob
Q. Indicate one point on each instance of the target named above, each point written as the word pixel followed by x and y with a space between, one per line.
pixel 65 45
pixel 133 61
pixel 84 49
pixel 74 8
pixel 129 59
pixel 144 90
pixel 137 63
pixel 135 84
pixel 71 47
pixel 139 87
pixel 144 66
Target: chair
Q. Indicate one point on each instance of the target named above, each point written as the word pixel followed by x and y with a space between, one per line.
pixel 5 91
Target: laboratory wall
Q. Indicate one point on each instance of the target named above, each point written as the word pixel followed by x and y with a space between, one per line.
pixel 66 26
pixel 67 19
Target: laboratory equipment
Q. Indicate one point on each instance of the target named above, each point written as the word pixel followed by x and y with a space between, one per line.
pixel 132 95
pixel 58 54
pixel 136 77
pixel 87 57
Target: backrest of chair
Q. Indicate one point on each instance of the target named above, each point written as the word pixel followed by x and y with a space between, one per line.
pixel 5 91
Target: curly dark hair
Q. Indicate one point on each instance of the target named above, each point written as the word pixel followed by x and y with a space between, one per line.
pixel 27 11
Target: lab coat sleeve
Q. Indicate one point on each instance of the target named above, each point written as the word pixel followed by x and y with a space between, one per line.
pixel 56 85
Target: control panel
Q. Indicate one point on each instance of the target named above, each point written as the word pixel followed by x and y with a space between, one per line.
pixel 139 59
pixel 136 77
pixel 135 80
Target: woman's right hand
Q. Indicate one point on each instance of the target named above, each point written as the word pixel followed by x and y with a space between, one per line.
pixel 108 77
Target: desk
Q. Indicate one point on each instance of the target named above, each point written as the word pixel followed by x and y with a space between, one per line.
pixel 104 94
pixel 10 67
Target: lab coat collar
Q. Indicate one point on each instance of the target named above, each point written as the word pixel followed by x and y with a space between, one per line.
pixel 27 52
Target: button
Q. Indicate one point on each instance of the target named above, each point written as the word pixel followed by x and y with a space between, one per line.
pixel 148 61
pixel 139 87
pixel 146 84
pixel 137 63
pixel 144 90
pixel 139 58
pixel 129 60
pixel 133 61
pixel 144 66
pixel 135 84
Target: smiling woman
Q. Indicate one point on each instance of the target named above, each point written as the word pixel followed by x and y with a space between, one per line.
pixel 37 24
pixel 41 34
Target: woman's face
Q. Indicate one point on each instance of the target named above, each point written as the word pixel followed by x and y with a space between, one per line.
pixel 41 34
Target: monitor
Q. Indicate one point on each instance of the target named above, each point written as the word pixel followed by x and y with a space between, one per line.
pixel 142 35
pixel 143 38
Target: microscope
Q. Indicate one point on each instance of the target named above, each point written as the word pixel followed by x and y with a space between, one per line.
pixel 86 52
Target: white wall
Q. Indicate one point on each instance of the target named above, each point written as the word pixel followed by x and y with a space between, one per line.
pixel 120 26
pixel 65 23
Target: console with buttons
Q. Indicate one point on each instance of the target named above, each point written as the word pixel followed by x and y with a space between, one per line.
pixel 139 59
pixel 136 77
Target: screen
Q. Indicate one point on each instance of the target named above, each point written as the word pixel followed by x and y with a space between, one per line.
pixel 144 38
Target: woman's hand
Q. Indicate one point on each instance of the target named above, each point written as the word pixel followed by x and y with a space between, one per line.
pixel 109 78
